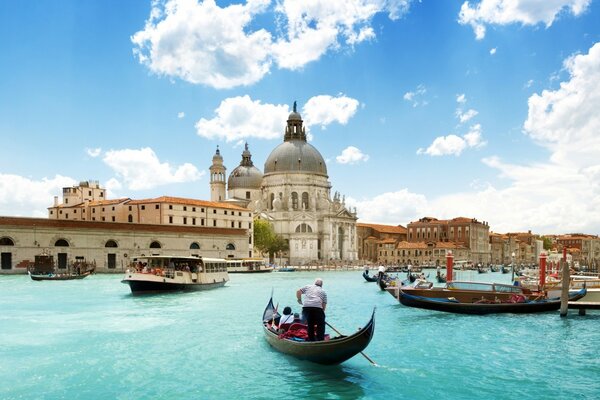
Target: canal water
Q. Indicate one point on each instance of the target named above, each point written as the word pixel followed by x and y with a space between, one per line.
pixel 91 339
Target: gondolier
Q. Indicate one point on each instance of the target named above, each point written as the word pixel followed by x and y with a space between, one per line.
pixel 313 308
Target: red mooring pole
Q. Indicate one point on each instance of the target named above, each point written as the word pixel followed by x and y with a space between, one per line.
pixel 449 264
pixel 542 270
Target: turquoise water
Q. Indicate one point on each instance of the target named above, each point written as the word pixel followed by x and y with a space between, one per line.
pixel 91 339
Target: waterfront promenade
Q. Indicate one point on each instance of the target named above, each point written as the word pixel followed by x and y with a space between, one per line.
pixel 92 339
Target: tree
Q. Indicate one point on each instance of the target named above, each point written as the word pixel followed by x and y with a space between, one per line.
pixel 266 240
pixel 547 242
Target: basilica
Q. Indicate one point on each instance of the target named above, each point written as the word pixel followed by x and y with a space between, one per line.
pixel 294 195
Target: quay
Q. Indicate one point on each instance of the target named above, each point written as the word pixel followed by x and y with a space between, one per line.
pixel 582 306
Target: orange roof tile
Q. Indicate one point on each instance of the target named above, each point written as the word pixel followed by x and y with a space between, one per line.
pixel 383 228
pixel 193 202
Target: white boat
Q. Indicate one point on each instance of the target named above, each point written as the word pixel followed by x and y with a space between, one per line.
pixel 248 265
pixel 152 274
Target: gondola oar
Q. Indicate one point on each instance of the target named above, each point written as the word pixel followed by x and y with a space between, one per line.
pixel 363 354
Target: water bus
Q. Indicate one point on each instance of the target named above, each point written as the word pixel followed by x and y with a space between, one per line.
pixel 248 265
pixel 160 273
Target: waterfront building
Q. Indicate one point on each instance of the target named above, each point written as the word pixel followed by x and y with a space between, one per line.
pixel 463 232
pixel 373 236
pixel 111 245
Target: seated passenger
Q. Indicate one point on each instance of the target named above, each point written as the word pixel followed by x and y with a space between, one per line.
pixel 287 317
pixel 297 319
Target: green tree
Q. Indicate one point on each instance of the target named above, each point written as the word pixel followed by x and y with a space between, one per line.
pixel 547 242
pixel 266 240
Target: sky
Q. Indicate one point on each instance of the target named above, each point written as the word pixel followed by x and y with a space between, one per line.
pixel 487 109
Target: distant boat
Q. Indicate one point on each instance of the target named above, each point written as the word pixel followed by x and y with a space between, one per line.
pixel 329 352
pixel 44 269
pixel 369 278
pixel 153 274
pixel 247 265
pixel 505 270
pixel 286 269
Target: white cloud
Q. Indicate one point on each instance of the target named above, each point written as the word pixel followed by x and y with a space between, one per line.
pixel 180 115
pixel 21 196
pixel 493 51
pixel 415 97
pixel 465 116
pixel 559 195
pixel 141 169
pixel 323 110
pixel 461 98
pixel 225 47
pixel 473 137
pixel 445 145
pixel 526 12
pixel 390 208
pixel 241 117
pixel 351 155
pixel 93 152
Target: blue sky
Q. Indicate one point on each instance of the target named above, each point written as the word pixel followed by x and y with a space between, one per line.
pixel 487 109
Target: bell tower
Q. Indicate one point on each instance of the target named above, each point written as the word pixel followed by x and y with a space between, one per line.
pixel 217 177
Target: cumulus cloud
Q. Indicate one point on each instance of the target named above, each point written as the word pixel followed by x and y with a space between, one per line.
pixel 561 194
pixel 525 12
pixel 416 97
pixel 454 144
pixel 466 115
pixel 351 155
pixel 22 196
pixel 180 115
pixel 493 51
pixel 93 152
pixel 141 169
pixel 323 110
pixel 461 98
pixel 225 47
pixel 241 117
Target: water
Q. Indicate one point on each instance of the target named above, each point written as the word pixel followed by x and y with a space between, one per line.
pixel 91 339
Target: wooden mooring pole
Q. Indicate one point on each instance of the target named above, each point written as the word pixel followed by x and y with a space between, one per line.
pixel 564 294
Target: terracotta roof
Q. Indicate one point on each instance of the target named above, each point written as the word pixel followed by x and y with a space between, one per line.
pixel 108 202
pixel 131 227
pixel 192 202
pixel 383 228
pixel 385 241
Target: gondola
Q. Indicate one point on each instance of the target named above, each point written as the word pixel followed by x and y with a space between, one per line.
pixel 369 278
pixel 328 352
pixel 478 307
pixel 58 277
pixel 505 270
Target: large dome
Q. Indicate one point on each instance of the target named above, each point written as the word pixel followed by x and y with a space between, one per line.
pixel 245 175
pixel 295 156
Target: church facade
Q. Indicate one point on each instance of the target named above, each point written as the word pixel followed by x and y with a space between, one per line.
pixel 294 195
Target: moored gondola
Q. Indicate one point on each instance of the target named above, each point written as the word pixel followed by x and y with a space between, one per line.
pixel 328 352
pixel 482 306
pixel 369 278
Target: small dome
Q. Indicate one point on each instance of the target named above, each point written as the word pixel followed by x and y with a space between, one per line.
pixel 245 177
pixel 294 116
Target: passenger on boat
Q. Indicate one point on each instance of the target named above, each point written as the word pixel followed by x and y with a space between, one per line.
pixel 315 303
pixel 297 319
pixel 287 317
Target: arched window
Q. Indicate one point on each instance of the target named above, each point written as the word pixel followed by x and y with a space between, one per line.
pixel 303 228
pixel 61 243
pixel 294 200
pixel 111 243
pixel 5 241
pixel 271 199
pixel 130 218
pixel 230 246
pixel 194 246
pixel 155 245
pixel 305 201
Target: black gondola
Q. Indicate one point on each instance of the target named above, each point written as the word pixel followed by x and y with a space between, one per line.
pixel 329 352
pixel 480 308
pixel 369 278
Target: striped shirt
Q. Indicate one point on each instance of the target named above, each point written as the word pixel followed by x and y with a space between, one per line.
pixel 314 296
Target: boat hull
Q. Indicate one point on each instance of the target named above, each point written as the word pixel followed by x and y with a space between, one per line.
pixel 446 305
pixel 372 278
pixel 141 286
pixel 57 277
pixel 326 352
